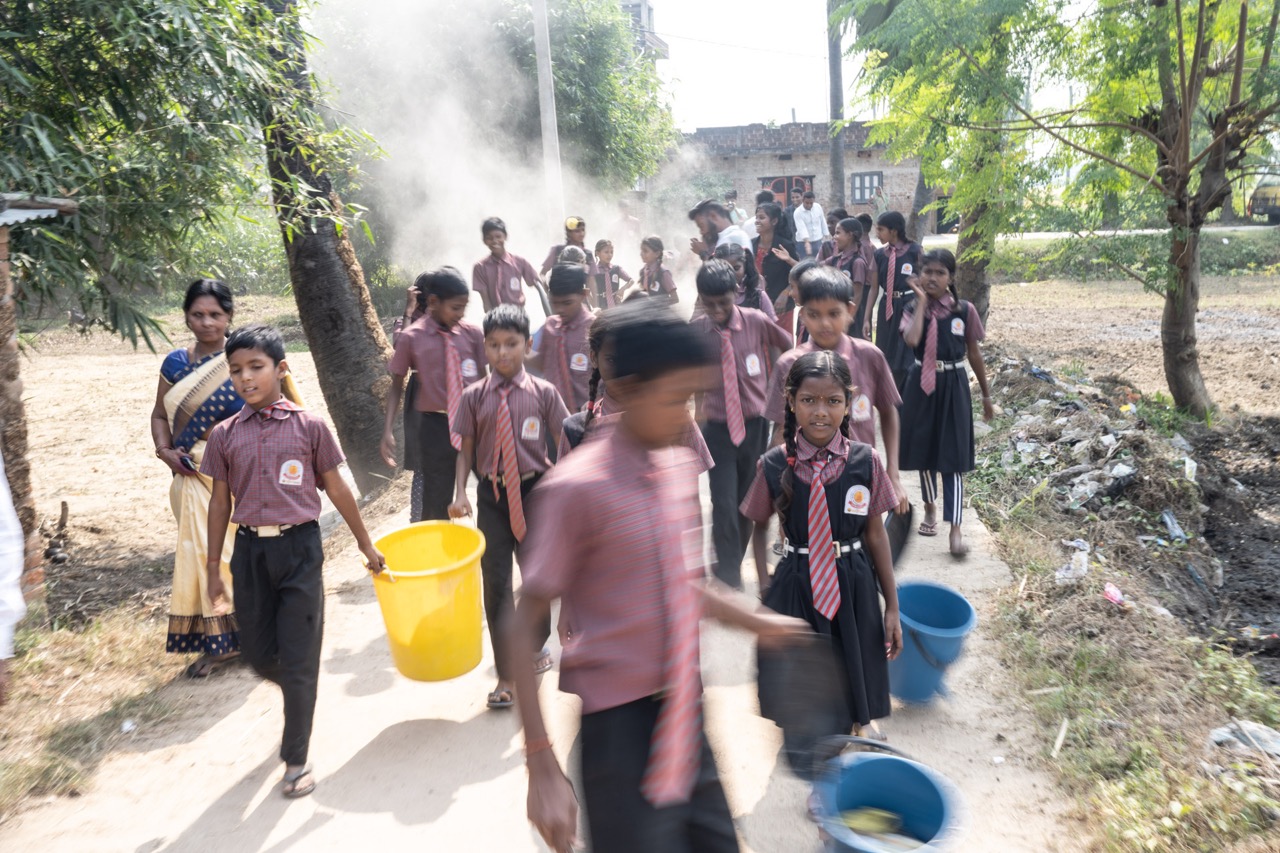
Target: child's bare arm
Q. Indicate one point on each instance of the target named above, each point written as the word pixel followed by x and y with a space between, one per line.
pixel 461 471
pixel 552 804
pixel 219 518
pixel 876 541
pixel 913 334
pixel 733 608
pixel 980 371
pixel 345 503
pixel 394 394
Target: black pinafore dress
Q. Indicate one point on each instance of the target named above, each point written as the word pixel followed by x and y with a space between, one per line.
pixel 888 333
pixel 937 429
pixel 857 632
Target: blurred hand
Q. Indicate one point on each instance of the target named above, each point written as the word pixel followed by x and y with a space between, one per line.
pixel 411 301
pixel 388 449
pixel 217 591
pixel 552 805
pixel 460 508
pixel 778 631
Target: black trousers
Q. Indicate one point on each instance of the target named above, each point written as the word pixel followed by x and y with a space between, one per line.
pixel 279 596
pixel 437 458
pixel 493 517
pixel 735 468
pixel 615 751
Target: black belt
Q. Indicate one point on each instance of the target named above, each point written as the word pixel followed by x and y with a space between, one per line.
pixel 271 531
pixel 502 481
pixel 840 548
pixel 944 365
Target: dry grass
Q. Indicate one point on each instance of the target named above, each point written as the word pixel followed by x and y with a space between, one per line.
pixel 73 689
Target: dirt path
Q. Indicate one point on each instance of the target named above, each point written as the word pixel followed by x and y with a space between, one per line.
pixel 426 766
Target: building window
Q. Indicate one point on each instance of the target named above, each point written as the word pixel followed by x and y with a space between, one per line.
pixel 862 185
pixel 782 185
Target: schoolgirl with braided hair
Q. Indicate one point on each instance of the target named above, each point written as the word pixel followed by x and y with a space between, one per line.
pixel 829 492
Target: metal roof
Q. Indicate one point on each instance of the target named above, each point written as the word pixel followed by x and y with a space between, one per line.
pixel 14 216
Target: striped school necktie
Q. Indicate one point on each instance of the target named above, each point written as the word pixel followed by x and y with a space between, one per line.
pixel 506 464
pixel 732 398
pixel 929 367
pixel 822 555
pixel 890 274
pixel 674 747
pixel 453 383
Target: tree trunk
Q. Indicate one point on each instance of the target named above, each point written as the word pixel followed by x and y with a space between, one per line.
pixel 973 256
pixel 1178 324
pixel 347 343
pixel 918 228
pixel 13 430
pixel 835 74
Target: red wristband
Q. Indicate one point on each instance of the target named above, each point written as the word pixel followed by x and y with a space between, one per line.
pixel 533 747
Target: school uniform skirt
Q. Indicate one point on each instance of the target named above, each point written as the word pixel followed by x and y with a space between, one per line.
pixel 412 426
pixel 857 632
pixel 937 429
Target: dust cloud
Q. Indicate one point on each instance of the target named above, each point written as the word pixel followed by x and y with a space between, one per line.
pixel 434 84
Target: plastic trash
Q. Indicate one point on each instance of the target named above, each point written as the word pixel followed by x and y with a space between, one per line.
pixel 1075 570
pixel 1116 597
pixel 1176 532
pixel 128 726
pixel 1189 468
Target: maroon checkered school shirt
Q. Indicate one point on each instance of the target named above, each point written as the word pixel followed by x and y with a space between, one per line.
pixel 535 408
pixel 611 574
pixel 503 280
pixel 872 381
pixel 607 411
pixel 562 357
pixel 421 347
pixel 758 504
pixel 752 335
pixel 273 461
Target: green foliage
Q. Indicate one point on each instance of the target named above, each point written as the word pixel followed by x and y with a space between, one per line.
pixel 613 122
pixel 151 116
pixel 1102 256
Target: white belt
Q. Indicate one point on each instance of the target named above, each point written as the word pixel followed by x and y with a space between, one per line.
pixel 841 548
pixel 268 531
pixel 944 365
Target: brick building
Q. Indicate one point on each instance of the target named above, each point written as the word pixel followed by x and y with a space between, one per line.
pixel 799 155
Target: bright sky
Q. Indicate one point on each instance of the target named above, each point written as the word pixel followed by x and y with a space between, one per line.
pixel 743 61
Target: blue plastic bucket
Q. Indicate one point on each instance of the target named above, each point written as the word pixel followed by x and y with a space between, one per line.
pixel 891 782
pixel 935 621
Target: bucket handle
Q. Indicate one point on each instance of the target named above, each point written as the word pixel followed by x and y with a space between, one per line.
pixel 940 666
pixel 830 747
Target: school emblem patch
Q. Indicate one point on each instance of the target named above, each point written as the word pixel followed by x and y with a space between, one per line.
pixel 752 362
pixel 291 473
pixel 957 327
pixel 857 500
pixel 531 430
pixel 579 362
pixel 514 284
pixel 861 408
pixel 469 367
pixel 907 269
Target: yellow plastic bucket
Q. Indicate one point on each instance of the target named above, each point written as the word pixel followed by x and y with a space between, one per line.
pixel 430 598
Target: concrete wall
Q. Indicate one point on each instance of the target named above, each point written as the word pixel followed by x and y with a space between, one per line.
pixel 747 154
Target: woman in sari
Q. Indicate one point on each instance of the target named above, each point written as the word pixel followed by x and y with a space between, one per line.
pixel 194 395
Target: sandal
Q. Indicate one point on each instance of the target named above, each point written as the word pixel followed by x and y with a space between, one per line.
pixel 928 528
pixel 206 666
pixel 542 663
pixel 871 732
pixel 500 699
pixel 292 790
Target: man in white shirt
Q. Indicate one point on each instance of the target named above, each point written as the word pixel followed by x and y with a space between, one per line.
pixel 811 227
pixel 12 606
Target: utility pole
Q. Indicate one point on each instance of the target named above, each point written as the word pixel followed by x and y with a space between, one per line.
pixel 547 108
pixel 835 70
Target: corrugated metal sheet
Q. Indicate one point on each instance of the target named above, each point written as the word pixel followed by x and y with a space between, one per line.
pixel 14 217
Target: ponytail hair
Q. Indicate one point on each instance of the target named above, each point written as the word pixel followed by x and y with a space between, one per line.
pixel 821 364
pixel 601 326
